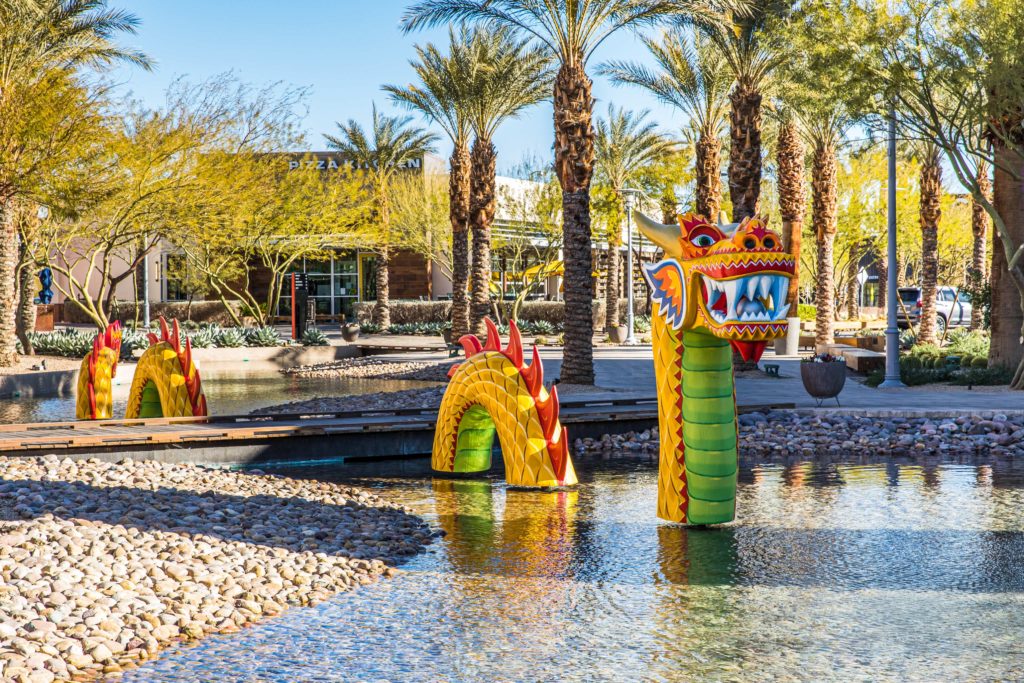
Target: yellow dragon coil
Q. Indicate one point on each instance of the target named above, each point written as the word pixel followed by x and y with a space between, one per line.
pixel 495 393
pixel 166 381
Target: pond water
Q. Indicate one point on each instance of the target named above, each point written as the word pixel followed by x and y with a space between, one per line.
pixel 832 572
pixel 233 393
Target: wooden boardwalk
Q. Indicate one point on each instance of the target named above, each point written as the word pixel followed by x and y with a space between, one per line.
pixel 398 432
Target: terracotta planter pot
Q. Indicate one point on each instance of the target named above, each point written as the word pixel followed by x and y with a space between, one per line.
pixel 350 332
pixel 823 380
pixel 618 334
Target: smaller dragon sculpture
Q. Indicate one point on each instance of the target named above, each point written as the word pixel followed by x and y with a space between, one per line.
pixel 166 381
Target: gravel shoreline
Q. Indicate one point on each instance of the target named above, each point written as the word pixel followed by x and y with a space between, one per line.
pixel 375 367
pixel 806 434
pixel 102 565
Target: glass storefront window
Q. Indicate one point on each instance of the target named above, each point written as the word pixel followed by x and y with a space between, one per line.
pixel 334 284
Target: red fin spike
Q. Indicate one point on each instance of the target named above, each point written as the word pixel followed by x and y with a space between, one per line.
pixel 470 344
pixel 452 370
pixel 556 451
pixel 176 336
pixel 548 411
pixel 153 339
pixel 493 336
pixel 514 350
pixel 164 331
pixel 187 360
pixel 533 374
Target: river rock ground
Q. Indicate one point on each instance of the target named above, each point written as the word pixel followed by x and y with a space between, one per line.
pixel 780 434
pixel 102 565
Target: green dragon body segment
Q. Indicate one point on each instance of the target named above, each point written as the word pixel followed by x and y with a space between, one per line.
pixel 720 288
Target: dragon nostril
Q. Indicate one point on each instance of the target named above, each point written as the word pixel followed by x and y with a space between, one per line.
pixel 750 243
pixel 769 243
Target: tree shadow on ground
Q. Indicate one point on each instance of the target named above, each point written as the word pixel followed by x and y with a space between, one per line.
pixel 352 529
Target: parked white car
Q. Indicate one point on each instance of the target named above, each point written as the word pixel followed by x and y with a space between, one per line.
pixel 953 307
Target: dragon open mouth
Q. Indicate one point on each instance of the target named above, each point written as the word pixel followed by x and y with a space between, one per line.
pixel 758 298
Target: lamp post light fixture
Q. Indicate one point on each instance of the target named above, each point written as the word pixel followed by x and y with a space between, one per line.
pixel 629 196
pixel 892 333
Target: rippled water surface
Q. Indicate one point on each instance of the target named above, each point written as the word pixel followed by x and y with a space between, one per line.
pixel 233 393
pixel 847 573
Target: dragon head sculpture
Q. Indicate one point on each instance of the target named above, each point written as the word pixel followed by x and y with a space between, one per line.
pixel 728 281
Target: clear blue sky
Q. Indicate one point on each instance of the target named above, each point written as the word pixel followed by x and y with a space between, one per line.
pixel 342 49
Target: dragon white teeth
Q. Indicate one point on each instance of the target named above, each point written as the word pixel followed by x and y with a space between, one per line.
pixel 782 312
pixel 764 285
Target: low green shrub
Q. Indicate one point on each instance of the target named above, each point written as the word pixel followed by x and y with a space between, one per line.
pixel 641 323
pixel 205 336
pixel 806 311
pixel 980 362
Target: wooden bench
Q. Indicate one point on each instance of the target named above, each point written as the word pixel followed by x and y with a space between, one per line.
pixel 858 360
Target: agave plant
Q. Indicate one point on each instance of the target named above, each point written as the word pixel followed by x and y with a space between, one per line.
pixel 314 336
pixel 262 336
pixel 231 338
pixel 205 337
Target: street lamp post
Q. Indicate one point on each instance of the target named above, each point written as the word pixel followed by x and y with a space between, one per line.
pixel 892 333
pixel 630 197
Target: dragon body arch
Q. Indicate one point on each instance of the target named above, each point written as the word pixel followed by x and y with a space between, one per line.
pixel 495 394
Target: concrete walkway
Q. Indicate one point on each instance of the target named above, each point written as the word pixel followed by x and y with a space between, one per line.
pixel 632 370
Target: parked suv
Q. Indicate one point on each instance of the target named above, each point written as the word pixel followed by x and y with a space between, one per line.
pixel 952 309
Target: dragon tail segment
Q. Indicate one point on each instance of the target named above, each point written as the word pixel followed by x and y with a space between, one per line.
pixel 166 382
pixel 495 393
pixel 93 397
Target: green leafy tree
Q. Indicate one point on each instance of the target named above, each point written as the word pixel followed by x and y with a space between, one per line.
pixel 42 44
pixel 953 73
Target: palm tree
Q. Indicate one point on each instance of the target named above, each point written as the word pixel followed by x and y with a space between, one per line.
pixel 930 156
pixel 792 201
pixel 823 129
pixel 979 228
pixel 393 142
pixel 443 97
pixel 37 39
pixel 752 53
pixel 624 144
pixel 570 30
pixel 504 75
pixel 696 80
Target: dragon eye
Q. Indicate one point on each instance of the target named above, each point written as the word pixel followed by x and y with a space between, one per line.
pixel 703 240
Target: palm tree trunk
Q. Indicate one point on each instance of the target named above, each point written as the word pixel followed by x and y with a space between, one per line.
pixel 574 164
pixel 613 284
pixel 382 310
pixel 930 213
pixel 458 212
pixel 8 287
pixel 481 215
pixel 882 264
pixel 852 305
pixel 26 322
pixel 1007 315
pixel 744 150
pixel 979 228
pixel 823 200
pixel 792 201
pixel 709 179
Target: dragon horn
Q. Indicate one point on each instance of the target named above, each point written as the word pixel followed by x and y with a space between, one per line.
pixel 493 336
pixel 514 350
pixel 471 344
pixel 665 236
